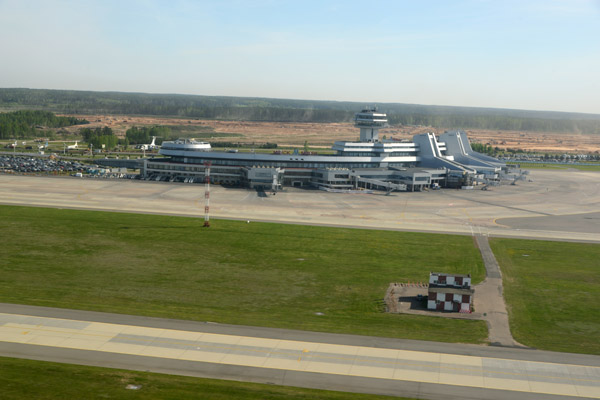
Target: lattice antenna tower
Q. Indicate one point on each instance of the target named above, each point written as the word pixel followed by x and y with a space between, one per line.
pixel 206 193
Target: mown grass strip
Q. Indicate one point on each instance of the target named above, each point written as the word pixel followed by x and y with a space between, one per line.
pixel 526 165
pixel 552 290
pixel 27 379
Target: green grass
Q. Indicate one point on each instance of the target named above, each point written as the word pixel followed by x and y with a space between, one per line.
pixel 553 293
pixel 259 274
pixel 27 379
pixel 557 166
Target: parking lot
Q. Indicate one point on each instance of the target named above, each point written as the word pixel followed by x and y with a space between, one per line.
pixel 34 165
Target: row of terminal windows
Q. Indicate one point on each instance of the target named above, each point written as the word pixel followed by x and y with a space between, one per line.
pixel 399 164
pixel 199 167
pixel 357 154
pixel 184 149
pixel 370 123
pixel 279 164
pixel 368 116
pixel 297 173
pixel 399 154
pixel 174 167
pixel 171 167
pixel 376 154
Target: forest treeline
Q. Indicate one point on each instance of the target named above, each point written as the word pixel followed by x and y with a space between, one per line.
pixel 144 134
pixel 99 137
pixel 282 110
pixel 23 124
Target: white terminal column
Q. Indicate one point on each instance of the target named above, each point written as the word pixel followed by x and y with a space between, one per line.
pixel 370 121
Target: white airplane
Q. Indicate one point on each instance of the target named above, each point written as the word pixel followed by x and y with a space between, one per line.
pixel 150 146
pixel 73 146
pixel 43 146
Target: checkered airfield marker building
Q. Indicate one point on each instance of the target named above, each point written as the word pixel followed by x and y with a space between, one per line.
pixel 450 292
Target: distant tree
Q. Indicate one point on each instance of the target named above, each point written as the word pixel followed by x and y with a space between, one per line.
pixel 26 123
pixel 124 143
pixel 260 109
pixel 144 134
pixel 99 136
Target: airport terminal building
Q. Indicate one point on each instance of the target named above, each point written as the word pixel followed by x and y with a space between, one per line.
pixel 370 163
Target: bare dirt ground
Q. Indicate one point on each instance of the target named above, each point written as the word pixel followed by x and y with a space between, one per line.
pixel 401 298
pixel 324 134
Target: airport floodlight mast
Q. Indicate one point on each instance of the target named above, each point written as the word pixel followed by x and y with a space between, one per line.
pixel 370 121
pixel 206 193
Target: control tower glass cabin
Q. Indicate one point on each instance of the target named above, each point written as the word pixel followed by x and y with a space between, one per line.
pixel 370 121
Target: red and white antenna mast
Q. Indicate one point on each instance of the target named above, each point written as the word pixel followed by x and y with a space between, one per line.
pixel 206 193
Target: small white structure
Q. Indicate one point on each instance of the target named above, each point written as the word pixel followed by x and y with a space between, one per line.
pixel 450 292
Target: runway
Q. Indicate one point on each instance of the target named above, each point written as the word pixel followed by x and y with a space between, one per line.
pixel 200 350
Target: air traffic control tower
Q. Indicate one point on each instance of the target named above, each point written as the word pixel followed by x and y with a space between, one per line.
pixel 370 121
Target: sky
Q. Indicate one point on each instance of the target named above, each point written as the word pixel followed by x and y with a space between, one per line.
pixel 527 54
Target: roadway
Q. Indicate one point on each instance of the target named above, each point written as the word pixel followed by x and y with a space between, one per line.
pixel 295 358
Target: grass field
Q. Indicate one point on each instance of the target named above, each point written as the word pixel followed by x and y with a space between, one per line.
pixel 260 274
pixel 553 166
pixel 26 379
pixel 553 291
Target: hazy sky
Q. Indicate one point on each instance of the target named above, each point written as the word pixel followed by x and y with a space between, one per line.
pixel 538 54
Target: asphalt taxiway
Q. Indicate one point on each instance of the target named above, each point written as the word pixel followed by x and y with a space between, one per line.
pixel 553 205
